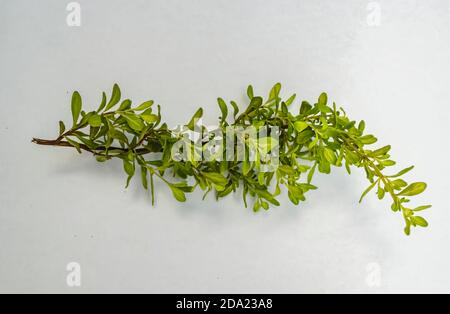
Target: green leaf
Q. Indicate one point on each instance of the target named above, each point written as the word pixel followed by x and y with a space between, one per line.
pixel 115 97
pixel 89 143
pixel 194 119
pixel 255 103
pixel 305 136
pixel 129 170
pixel 74 144
pixel 300 126
pixel 246 167
pixel 150 118
pixel 313 142
pixel 323 99
pixel 305 107
pixel 381 193
pixel 125 105
pixel 144 177
pixel 269 197
pixel 287 170
pixel 322 103
pixel 235 108
pixel 414 189
pixel 144 106
pixel 76 107
pixel 388 163
pixel 381 151
pixel 290 100
pixel 311 173
pixel 367 191
pixel 85 117
pixel 223 108
pixel 128 167
pixel 329 155
pixel 133 121
pixel 404 171
pixel 62 128
pixel 118 136
pixel 178 194
pixel 101 158
pixel 324 166
pixel 95 120
pixel 351 157
pixel 217 179
pixel 408 228
pixel 275 91
pixel 421 208
pixel 103 103
pixel 419 221
pixel 396 205
pixel 368 139
pixel 261 178
pixel 361 126
pixel 398 184
pixel 183 186
pixel 250 92
pixel 265 205
pixel 293 198
pixel 266 144
pixel 257 206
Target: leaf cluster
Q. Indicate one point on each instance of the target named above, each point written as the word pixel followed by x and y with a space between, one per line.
pixel 314 137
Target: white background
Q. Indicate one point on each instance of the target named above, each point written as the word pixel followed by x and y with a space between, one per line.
pixel 58 207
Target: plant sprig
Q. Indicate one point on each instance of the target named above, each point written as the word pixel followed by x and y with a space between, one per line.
pixel 315 138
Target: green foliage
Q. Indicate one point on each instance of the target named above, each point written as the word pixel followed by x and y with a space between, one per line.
pixel 318 138
pixel 76 107
pixel 223 109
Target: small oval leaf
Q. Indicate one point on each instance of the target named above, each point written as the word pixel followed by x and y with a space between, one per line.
pixel 76 107
pixel 414 189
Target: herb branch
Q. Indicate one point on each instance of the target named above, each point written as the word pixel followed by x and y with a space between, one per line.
pixel 316 138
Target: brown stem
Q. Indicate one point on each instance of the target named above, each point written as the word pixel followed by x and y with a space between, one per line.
pixel 59 143
pixel 56 142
